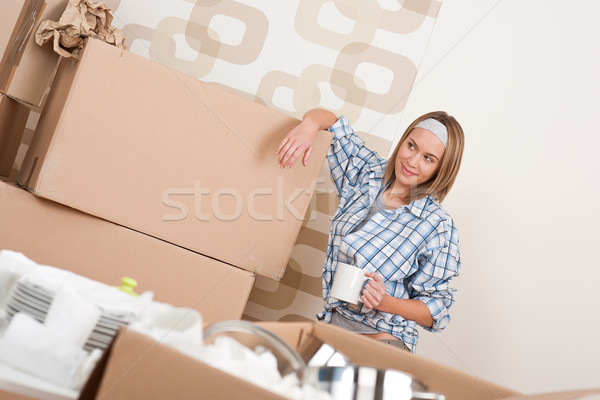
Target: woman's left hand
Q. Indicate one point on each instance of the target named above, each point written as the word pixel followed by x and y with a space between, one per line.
pixel 374 291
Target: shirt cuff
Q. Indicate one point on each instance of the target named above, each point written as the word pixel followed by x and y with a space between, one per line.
pixel 439 313
pixel 341 128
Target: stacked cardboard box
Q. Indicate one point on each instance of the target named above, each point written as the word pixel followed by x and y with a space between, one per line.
pixel 128 140
pixel 166 179
pixel 13 118
pixel 26 69
pixel 133 142
pixel 52 234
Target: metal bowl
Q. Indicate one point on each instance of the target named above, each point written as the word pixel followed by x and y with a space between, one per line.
pixel 354 382
pixel 325 368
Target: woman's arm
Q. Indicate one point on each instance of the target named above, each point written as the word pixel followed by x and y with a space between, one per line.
pixel 375 297
pixel 322 118
pixel 300 140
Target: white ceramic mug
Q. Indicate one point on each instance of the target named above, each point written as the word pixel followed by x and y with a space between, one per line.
pixel 348 282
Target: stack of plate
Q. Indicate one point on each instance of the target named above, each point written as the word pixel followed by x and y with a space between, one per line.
pixel 35 301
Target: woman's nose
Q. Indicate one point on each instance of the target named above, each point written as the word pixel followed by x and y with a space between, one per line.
pixel 412 160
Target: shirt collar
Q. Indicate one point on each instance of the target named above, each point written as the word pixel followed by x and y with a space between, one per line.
pixel 416 207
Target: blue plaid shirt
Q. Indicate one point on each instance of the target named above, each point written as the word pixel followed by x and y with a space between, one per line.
pixel 414 247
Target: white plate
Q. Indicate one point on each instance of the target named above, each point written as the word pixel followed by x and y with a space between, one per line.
pixel 106 331
pixel 30 300
pixel 100 337
pixel 12 311
pixel 37 291
pixel 95 344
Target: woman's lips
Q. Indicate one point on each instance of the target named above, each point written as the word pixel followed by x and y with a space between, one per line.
pixel 407 172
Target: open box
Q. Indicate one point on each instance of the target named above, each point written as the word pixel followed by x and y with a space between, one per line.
pixel 13 119
pixel 26 69
pixel 139 367
pixel 52 234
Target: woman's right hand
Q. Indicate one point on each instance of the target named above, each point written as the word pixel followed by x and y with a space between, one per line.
pixel 299 141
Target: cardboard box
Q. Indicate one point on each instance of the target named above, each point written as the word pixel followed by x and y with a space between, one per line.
pixel 131 141
pixel 4 395
pixel 138 367
pixel 26 69
pixel 13 118
pixel 584 394
pixel 55 235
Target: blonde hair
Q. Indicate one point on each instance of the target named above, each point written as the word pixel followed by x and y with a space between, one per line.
pixel 438 186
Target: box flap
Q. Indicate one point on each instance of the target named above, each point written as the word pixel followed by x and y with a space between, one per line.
pixel 454 384
pixel 141 368
pixel 13 119
pixel 585 394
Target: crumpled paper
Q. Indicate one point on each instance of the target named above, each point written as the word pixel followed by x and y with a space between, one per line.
pixel 81 19
pixel 181 329
pixel 37 349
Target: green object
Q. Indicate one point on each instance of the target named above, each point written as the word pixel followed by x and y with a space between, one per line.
pixel 127 285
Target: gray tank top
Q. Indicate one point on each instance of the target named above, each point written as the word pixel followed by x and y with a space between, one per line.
pixel 378 205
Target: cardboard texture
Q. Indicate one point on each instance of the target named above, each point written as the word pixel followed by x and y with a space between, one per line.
pixel 138 367
pixel 13 119
pixel 56 235
pixel 26 69
pixel 133 142
pixel 4 395
pixel 585 394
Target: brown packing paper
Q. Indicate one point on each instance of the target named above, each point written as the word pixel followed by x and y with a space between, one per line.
pixel 81 19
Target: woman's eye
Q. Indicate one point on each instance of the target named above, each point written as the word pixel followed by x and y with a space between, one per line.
pixel 410 146
pixel 428 159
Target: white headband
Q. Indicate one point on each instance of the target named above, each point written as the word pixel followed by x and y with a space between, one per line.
pixel 436 127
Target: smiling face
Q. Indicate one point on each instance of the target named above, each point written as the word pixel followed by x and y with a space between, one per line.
pixel 418 158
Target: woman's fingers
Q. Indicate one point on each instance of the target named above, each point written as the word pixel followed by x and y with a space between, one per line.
pixel 291 151
pixel 297 143
pixel 291 159
pixel 282 144
pixel 285 153
pixel 290 156
pixel 306 156
pixel 374 291
pixel 375 276
pixel 371 300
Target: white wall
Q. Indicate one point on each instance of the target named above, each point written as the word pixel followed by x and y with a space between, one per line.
pixel 524 83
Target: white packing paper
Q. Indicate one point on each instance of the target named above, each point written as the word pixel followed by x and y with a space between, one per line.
pixel 71 316
pixel 31 347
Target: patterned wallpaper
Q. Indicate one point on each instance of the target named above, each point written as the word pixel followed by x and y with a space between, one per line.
pixel 355 57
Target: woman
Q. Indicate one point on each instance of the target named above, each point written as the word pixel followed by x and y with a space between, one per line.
pixel 390 223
